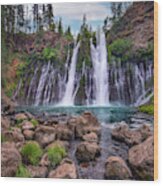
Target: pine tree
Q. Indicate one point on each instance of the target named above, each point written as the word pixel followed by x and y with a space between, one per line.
pixel 60 28
pixel 20 17
pixel 68 33
pixel 35 16
pixel 50 17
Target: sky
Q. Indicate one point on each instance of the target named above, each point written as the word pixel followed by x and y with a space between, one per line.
pixel 72 14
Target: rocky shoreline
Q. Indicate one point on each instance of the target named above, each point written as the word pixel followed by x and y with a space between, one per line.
pixel 75 147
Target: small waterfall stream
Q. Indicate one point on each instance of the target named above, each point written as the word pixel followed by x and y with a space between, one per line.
pixel 68 98
pixel 99 60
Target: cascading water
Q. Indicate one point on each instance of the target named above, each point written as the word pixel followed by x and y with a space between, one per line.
pixel 68 98
pixel 99 60
pixel 44 75
pixel 101 83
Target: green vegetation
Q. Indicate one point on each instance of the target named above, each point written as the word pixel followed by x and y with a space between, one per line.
pixel 34 122
pixel 32 152
pixel 56 154
pixel 84 52
pixel 120 48
pixel 50 53
pixel 3 138
pixel 144 54
pixel 149 109
pixel 10 89
pixel 22 172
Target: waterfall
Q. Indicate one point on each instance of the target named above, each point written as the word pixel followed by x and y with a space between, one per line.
pixel 99 60
pixel 41 85
pixel 68 97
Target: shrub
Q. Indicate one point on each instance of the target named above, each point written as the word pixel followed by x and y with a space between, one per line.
pixel 149 109
pixel 144 54
pixel 56 154
pixel 22 172
pixel 10 89
pixel 31 152
pixel 50 53
pixel 34 122
pixel 120 46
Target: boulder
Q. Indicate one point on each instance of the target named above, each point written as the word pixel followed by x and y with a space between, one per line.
pixel 28 134
pixel 90 118
pixel 130 137
pixel 145 131
pixel 27 125
pixel 44 135
pixel 87 151
pixel 83 130
pixel 141 159
pixel 10 159
pixel 14 135
pixel 84 124
pixel 66 170
pixel 91 137
pixel 116 168
pixel 37 171
pixel 21 116
pixel 63 132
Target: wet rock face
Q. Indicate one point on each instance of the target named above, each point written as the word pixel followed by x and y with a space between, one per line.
pixel 66 170
pixel 87 151
pixel 141 159
pixel 10 159
pixel 44 135
pixel 116 168
pixel 130 137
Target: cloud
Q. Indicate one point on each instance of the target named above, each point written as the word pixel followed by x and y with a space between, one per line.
pixel 75 11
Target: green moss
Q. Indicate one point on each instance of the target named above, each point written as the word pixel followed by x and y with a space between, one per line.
pixel 34 122
pixel 31 152
pixel 22 172
pixel 56 154
pixel 149 109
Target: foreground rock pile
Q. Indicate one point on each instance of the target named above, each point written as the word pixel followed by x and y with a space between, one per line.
pixel 37 147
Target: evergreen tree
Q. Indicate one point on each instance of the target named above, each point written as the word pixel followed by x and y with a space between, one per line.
pixel 68 33
pixel 117 11
pixel 50 17
pixel 35 16
pixel 60 28
pixel 20 17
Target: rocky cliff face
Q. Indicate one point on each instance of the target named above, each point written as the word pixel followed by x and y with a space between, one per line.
pixel 136 24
